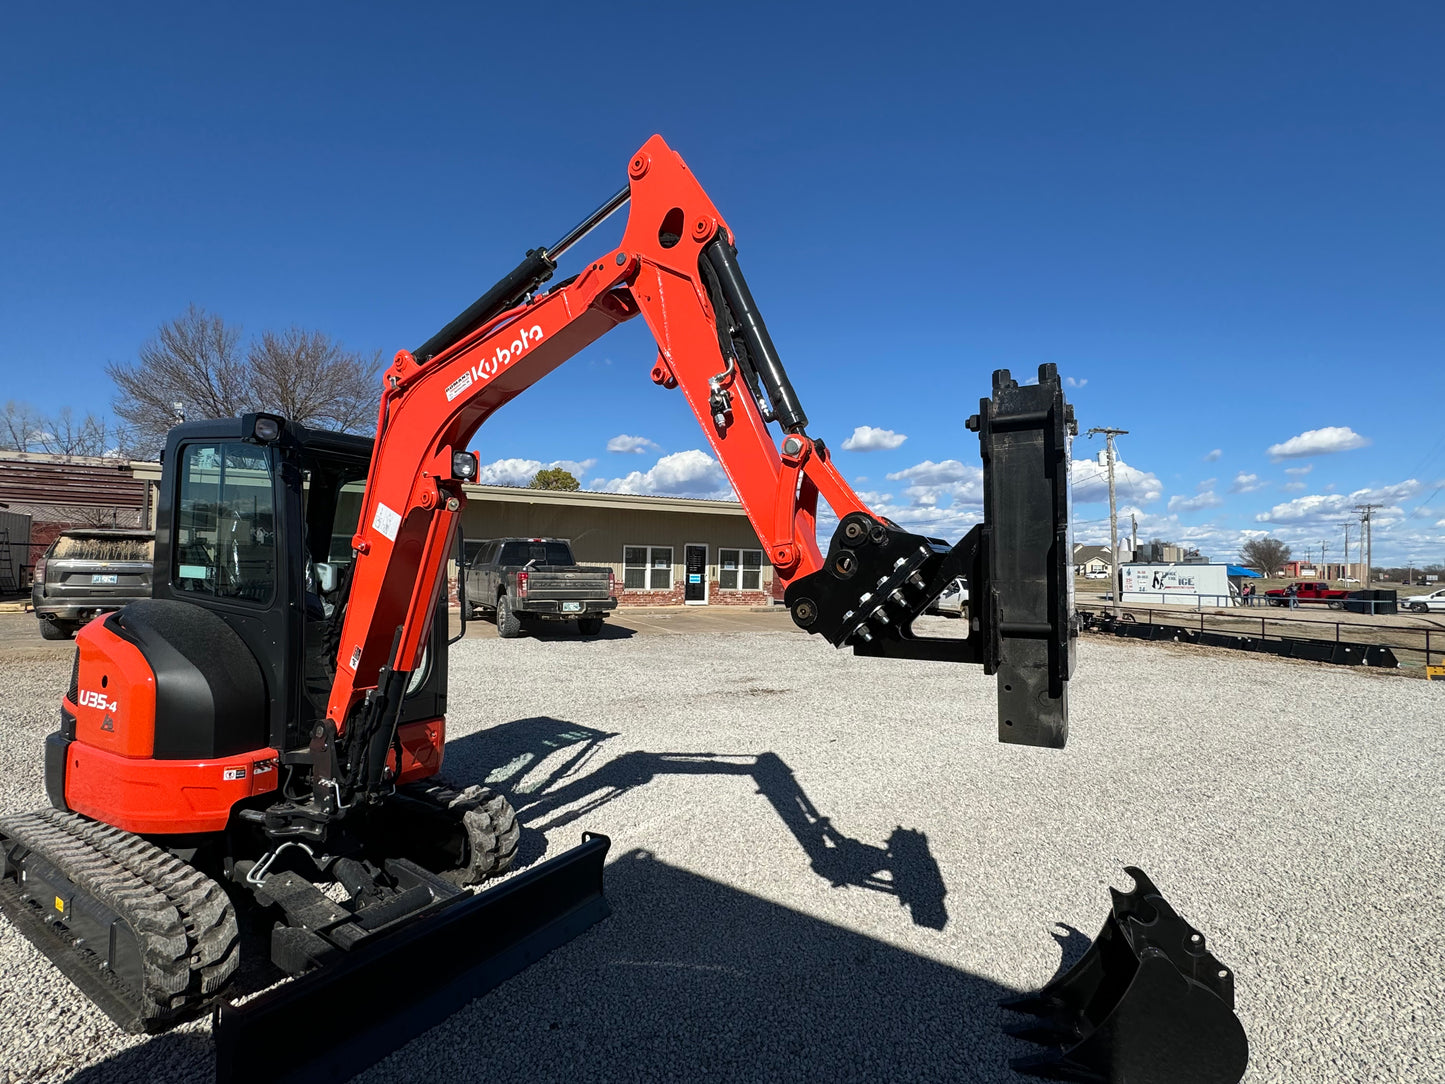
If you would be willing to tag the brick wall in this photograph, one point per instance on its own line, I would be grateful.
(716, 597)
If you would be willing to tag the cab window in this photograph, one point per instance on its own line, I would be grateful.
(225, 527)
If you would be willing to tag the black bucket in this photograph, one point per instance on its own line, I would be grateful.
(1147, 1004)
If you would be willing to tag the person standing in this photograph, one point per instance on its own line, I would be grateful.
(1293, 591)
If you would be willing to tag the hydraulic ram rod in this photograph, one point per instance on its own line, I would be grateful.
(535, 269)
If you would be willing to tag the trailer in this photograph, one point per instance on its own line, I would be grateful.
(1204, 586)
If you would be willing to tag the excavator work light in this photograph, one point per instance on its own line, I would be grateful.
(464, 466)
(267, 429)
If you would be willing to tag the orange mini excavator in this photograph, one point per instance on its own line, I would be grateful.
(260, 741)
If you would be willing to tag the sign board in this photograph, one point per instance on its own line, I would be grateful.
(1435, 673)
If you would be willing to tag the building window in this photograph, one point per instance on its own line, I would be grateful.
(740, 570)
(647, 568)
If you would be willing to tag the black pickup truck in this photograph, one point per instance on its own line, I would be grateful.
(537, 577)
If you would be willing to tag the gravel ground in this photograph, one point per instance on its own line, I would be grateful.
(840, 871)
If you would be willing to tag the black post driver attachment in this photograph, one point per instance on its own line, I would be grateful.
(1017, 566)
(1147, 1002)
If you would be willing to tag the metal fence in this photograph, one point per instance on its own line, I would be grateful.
(1416, 645)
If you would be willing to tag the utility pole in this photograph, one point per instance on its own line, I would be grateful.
(1367, 547)
(1324, 568)
(1346, 574)
(1134, 534)
(1109, 435)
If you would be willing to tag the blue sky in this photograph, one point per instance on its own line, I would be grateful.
(1223, 225)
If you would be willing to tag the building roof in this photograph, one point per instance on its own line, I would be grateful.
(1084, 554)
(39, 479)
(581, 498)
(628, 502)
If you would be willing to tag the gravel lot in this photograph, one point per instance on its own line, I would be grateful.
(1290, 811)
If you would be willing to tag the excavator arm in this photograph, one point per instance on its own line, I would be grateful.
(677, 268)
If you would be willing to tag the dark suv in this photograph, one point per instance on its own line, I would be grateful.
(88, 571)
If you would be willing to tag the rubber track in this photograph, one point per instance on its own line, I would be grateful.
(183, 920)
(490, 823)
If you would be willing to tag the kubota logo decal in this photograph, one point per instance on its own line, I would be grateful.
(490, 367)
(90, 699)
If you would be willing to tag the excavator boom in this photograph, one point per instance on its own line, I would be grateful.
(677, 268)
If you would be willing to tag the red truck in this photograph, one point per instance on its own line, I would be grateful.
(1308, 591)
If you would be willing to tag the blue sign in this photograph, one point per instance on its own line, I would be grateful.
(694, 577)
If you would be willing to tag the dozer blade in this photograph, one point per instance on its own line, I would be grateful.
(1147, 1003)
(330, 1024)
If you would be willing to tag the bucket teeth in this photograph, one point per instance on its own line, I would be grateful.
(1146, 1002)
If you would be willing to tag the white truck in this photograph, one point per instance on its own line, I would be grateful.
(1205, 586)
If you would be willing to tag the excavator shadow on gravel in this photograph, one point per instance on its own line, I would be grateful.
(262, 739)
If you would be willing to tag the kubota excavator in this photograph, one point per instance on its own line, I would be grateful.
(271, 724)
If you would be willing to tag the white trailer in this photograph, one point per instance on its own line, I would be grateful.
(1204, 586)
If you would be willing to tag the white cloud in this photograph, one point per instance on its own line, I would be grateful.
(1246, 483)
(866, 438)
(929, 473)
(1207, 499)
(1091, 482)
(1300, 472)
(1320, 506)
(636, 445)
(519, 472)
(692, 473)
(1334, 438)
(1213, 456)
(1292, 487)
(1070, 382)
(930, 482)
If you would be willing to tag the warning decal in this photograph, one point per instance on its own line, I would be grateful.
(386, 521)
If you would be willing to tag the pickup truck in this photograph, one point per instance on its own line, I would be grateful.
(516, 578)
(1308, 591)
(86, 572)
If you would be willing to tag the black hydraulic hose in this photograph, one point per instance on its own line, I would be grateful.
(754, 332)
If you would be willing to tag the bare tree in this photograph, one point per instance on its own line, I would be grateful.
(20, 427)
(195, 367)
(62, 434)
(311, 379)
(24, 429)
(1269, 555)
(195, 360)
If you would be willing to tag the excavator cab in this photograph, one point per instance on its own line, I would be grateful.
(255, 523)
